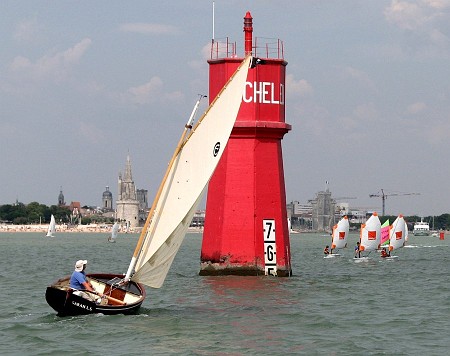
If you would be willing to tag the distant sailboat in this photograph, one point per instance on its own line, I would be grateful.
(339, 236)
(370, 236)
(114, 232)
(51, 228)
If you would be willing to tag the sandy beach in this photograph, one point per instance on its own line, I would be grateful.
(92, 228)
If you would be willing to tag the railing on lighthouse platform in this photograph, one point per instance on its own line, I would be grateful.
(263, 47)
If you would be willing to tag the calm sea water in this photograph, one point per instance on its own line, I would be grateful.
(329, 306)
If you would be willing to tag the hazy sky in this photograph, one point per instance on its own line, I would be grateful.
(84, 83)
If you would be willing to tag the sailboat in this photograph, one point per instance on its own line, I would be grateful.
(51, 227)
(189, 170)
(397, 235)
(370, 236)
(339, 236)
(114, 232)
(384, 241)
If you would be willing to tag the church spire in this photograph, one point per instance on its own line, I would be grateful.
(127, 205)
(128, 176)
(61, 201)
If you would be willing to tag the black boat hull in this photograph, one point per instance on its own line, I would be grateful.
(122, 300)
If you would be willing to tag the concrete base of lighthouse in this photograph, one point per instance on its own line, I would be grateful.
(222, 269)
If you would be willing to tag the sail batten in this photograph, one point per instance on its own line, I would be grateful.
(180, 194)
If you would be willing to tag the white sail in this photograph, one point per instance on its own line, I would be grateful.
(340, 234)
(397, 233)
(186, 180)
(371, 234)
(51, 227)
(114, 232)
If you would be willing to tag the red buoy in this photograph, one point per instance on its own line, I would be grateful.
(246, 229)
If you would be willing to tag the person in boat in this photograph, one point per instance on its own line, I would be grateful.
(357, 250)
(331, 249)
(79, 283)
(326, 251)
(384, 253)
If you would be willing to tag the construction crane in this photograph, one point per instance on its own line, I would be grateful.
(384, 196)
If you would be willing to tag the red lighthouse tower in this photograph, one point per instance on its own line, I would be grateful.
(246, 230)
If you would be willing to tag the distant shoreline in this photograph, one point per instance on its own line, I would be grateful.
(99, 229)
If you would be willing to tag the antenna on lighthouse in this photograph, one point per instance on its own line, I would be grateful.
(213, 22)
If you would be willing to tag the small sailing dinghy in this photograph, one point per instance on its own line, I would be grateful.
(370, 236)
(114, 232)
(189, 170)
(339, 236)
(397, 236)
(51, 227)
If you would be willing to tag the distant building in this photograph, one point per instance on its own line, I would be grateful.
(127, 205)
(142, 197)
(300, 215)
(343, 209)
(76, 213)
(323, 211)
(296, 209)
(198, 219)
(107, 200)
(61, 201)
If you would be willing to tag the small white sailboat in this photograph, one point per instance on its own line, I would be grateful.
(397, 235)
(114, 232)
(370, 237)
(339, 236)
(51, 227)
(193, 162)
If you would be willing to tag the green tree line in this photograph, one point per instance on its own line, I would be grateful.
(33, 213)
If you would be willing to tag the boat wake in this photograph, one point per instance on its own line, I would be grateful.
(425, 246)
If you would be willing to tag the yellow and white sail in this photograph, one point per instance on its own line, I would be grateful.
(182, 188)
